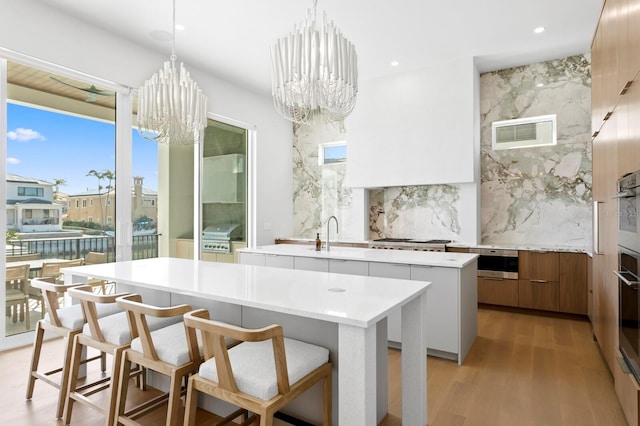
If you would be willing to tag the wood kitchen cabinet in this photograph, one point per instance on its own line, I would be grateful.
(573, 287)
(616, 151)
(539, 294)
(553, 281)
(538, 265)
(498, 291)
(538, 275)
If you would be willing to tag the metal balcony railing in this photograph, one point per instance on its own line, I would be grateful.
(144, 246)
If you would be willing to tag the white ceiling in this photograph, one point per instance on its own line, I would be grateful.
(231, 38)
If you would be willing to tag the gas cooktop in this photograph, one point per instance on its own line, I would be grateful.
(409, 244)
(410, 240)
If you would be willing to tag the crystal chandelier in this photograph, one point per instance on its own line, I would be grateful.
(314, 72)
(171, 106)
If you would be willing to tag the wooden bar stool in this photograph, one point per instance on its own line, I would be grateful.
(65, 322)
(164, 350)
(17, 293)
(109, 334)
(262, 374)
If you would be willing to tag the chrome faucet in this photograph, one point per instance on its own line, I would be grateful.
(329, 221)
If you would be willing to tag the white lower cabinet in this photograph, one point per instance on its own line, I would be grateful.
(392, 270)
(452, 300)
(351, 267)
(278, 261)
(442, 306)
(257, 259)
(311, 264)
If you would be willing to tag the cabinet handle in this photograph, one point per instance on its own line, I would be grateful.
(338, 260)
(608, 115)
(596, 228)
(626, 87)
(493, 279)
(539, 251)
(539, 281)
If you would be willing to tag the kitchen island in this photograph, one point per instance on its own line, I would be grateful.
(346, 314)
(452, 308)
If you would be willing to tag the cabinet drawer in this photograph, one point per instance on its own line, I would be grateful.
(543, 295)
(351, 267)
(538, 265)
(498, 291)
(279, 261)
(252, 259)
(311, 264)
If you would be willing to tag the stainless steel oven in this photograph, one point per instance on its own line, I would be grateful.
(628, 206)
(628, 274)
(497, 263)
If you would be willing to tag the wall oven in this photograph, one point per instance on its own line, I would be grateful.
(628, 206)
(629, 316)
(497, 263)
(628, 272)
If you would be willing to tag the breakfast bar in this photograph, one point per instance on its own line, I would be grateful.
(353, 308)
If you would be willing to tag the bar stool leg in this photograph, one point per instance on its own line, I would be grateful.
(35, 359)
(64, 381)
(73, 378)
(174, 400)
(123, 384)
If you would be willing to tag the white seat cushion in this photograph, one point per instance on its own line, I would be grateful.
(254, 367)
(115, 328)
(170, 343)
(71, 316)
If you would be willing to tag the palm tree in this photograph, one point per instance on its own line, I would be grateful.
(58, 182)
(99, 176)
(110, 176)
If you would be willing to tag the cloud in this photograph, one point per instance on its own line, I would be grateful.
(24, 135)
(12, 160)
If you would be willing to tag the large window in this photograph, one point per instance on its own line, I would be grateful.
(60, 135)
(30, 191)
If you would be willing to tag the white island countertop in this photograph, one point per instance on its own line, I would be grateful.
(426, 258)
(359, 301)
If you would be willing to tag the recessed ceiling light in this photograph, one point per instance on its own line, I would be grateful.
(540, 85)
(395, 63)
(179, 27)
(538, 30)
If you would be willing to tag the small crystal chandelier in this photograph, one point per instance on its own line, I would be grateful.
(171, 106)
(314, 72)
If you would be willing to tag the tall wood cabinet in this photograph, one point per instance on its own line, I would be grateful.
(615, 101)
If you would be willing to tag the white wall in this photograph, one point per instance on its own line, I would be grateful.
(34, 29)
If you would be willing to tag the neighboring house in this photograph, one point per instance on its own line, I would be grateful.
(94, 207)
(30, 205)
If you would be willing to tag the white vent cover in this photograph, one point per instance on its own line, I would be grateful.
(524, 132)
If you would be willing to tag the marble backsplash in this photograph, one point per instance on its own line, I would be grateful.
(540, 195)
(420, 212)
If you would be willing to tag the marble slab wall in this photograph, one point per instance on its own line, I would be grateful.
(529, 196)
(318, 191)
(538, 196)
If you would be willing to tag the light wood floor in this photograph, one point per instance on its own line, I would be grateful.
(523, 369)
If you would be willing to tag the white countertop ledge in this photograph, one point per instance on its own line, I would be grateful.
(424, 258)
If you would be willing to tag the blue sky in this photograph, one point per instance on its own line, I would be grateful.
(48, 145)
